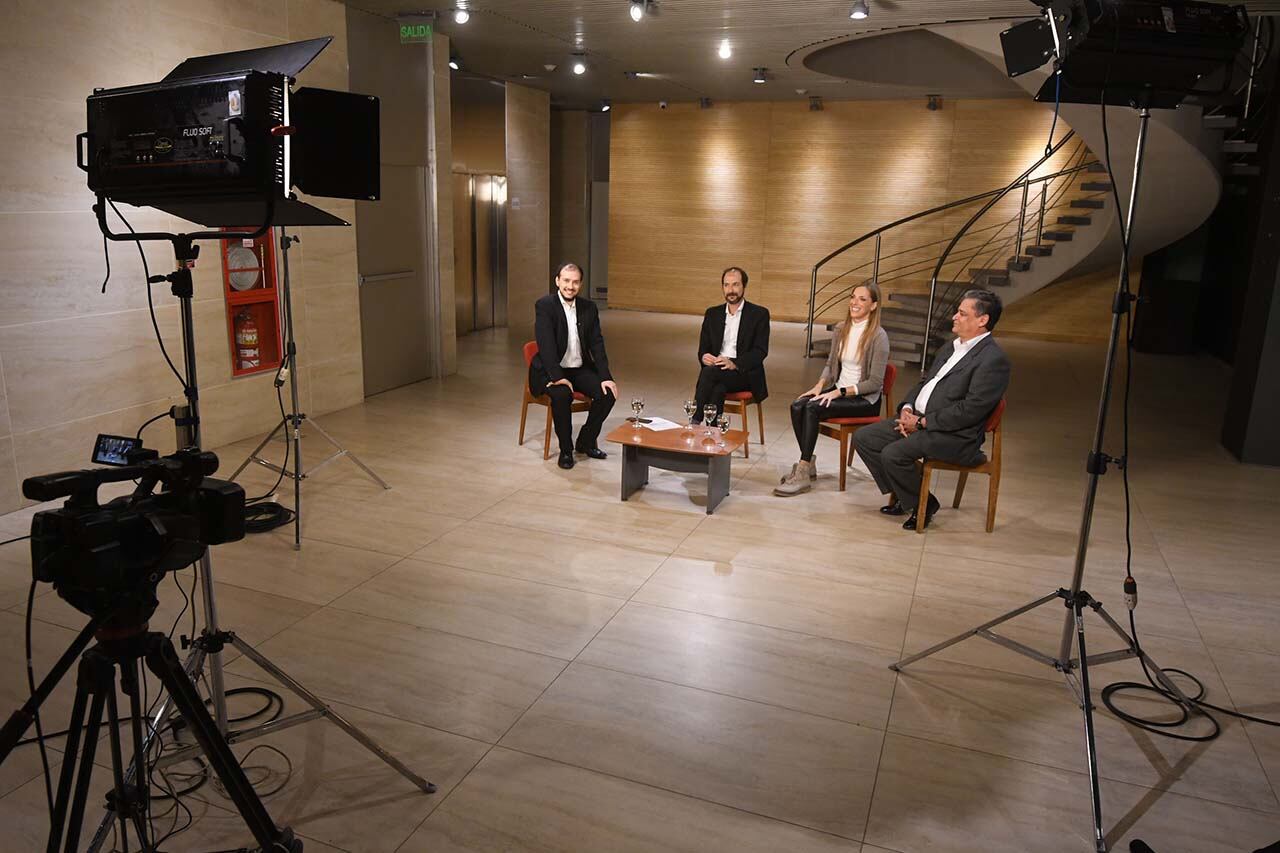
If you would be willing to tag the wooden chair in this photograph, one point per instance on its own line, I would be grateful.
(581, 403)
(842, 429)
(736, 403)
(990, 467)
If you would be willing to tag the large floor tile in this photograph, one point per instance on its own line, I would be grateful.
(944, 799)
(535, 617)
(615, 523)
(389, 522)
(464, 686)
(792, 602)
(1253, 685)
(546, 557)
(829, 678)
(517, 802)
(1234, 621)
(802, 769)
(317, 574)
(1035, 720)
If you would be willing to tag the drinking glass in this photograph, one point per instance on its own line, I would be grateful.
(708, 418)
(637, 406)
(690, 409)
(723, 423)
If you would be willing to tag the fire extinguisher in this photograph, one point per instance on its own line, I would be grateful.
(247, 351)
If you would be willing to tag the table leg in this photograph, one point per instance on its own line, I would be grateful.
(717, 481)
(634, 472)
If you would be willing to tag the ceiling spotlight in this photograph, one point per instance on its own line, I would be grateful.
(759, 78)
(704, 103)
(859, 10)
(637, 10)
(934, 103)
(461, 16)
(579, 64)
(725, 50)
(455, 63)
(605, 106)
(815, 103)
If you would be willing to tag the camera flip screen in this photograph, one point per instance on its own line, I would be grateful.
(114, 449)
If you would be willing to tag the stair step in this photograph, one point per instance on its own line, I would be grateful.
(1096, 186)
(1096, 168)
(1220, 122)
(1042, 250)
(1021, 263)
(1074, 219)
(990, 277)
(1058, 236)
(1235, 146)
(1244, 170)
(911, 324)
(1090, 203)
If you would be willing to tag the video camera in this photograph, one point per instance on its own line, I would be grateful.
(106, 560)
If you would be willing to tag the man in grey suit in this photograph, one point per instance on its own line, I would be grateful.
(944, 415)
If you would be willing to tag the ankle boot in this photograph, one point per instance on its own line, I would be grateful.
(797, 483)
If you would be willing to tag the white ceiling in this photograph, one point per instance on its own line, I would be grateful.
(515, 39)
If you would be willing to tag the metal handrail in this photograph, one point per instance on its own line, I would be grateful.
(942, 259)
(878, 232)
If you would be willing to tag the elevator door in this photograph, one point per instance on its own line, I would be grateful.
(481, 245)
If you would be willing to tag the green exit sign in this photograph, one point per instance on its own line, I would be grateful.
(415, 33)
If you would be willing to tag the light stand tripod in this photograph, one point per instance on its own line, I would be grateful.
(209, 645)
(292, 421)
(1076, 670)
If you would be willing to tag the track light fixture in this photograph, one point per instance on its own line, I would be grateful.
(704, 103)
(579, 64)
(859, 10)
(637, 10)
(455, 63)
(759, 75)
(815, 103)
(461, 15)
(605, 106)
(726, 50)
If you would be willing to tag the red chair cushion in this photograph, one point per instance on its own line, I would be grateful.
(740, 397)
(853, 421)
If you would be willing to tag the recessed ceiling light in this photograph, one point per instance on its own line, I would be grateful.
(461, 16)
(859, 10)
(637, 10)
(759, 76)
(726, 50)
(579, 64)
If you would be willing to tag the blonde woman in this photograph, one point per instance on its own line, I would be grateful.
(849, 386)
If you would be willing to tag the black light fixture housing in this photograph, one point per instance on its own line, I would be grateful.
(815, 103)
(760, 75)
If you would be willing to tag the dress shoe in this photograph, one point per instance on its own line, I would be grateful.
(894, 508)
(565, 461)
(593, 452)
(930, 508)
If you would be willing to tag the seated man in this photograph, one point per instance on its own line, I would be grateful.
(570, 358)
(944, 415)
(732, 347)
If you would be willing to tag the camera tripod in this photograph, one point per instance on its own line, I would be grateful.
(124, 649)
(292, 422)
(1076, 669)
(207, 648)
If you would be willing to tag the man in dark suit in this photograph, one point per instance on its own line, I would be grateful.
(944, 416)
(733, 361)
(570, 358)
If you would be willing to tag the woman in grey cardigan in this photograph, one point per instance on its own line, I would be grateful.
(849, 386)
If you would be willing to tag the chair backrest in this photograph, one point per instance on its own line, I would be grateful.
(530, 350)
(993, 420)
(890, 376)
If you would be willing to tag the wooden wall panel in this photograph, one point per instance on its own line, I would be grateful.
(686, 199)
(528, 155)
(775, 187)
(479, 138)
(570, 229)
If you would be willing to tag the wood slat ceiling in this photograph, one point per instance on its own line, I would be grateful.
(516, 39)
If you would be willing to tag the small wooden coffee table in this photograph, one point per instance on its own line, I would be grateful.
(676, 450)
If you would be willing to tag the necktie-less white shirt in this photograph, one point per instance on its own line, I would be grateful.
(573, 354)
(732, 320)
(960, 351)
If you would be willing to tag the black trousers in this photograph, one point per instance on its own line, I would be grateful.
(713, 384)
(586, 381)
(891, 458)
(806, 414)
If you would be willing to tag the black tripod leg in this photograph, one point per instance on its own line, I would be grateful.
(97, 676)
(138, 803)
(16, 726)
(1100, 842)
(75, 731)
(117, 772)
(163, 661)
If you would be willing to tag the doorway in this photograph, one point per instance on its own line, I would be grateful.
(480, 251)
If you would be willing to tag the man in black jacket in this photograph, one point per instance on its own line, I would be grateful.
(570, 358)
(733, 346)
(945, 415)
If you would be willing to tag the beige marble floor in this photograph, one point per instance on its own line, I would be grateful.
(581, 674)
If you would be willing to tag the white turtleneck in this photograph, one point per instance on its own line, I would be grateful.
(850, 366)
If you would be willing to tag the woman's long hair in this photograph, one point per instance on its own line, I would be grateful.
(873, 323)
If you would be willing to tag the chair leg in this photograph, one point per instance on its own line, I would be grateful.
(923, 508)
(746, 428)
(760, 417)
(993, 491)
(844, 451)
(546, 437)
(964, 478)
(524, 412)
